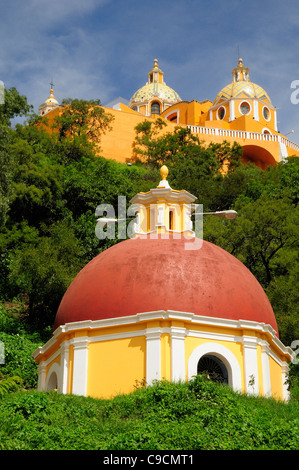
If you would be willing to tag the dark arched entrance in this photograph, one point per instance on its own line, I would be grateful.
(53, 382)
(258, 155)
(213, 367)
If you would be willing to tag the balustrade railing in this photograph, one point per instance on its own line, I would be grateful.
(243, 135)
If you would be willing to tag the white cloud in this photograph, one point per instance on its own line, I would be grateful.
(105, 48)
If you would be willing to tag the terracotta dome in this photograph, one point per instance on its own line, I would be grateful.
(144, 275)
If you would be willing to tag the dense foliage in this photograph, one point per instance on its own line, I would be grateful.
(198, 415)
(52, 182)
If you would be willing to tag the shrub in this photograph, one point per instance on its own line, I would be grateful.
(18, 360)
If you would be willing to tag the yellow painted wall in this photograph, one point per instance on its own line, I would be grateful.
(165, 357)
(276, 379)
(70, 370)
(114, 366)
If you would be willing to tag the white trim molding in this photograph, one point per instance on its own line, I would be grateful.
(177, 111)
(163, 315)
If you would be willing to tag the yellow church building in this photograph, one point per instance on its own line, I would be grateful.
(163, 304)
(241, 112)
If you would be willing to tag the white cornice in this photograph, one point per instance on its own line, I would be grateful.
(166, 315)
(167, 194)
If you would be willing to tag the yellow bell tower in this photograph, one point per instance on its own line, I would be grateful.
(163, 210)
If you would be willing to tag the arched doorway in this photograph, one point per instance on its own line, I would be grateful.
(224, 355)
(213, 367)
(52, 382)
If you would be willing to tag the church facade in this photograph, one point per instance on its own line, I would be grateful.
(241, 112)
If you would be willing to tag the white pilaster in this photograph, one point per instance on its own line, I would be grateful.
(177, 341)
(275, 119)
(256, 110)
(41, 376)
(285, 370)
(80, 366)
(153, 355)
(160, 216)
(64, 366)
(250, 365)
(231, 110)
(266, 369)
(283, 153)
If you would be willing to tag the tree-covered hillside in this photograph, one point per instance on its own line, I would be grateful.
(52, 182)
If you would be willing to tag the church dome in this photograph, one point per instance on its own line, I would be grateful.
(158, 90)
(144, 275)
(51, 99)
(242, 87)
(49, 104)
(155, 88)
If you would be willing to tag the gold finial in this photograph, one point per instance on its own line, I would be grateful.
(164, 172)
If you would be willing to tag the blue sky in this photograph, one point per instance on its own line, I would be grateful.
(102, 49)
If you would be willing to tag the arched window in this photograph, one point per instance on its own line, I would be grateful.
(155, 108)
(266, 113)
(221, 112)
(224, 355)
(171, 212)
(213, 367)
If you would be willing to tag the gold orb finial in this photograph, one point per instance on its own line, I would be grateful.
(164, 172)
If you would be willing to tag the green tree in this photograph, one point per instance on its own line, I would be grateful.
(173, 148)
(14, 105)
(43, 271)
(82, 123)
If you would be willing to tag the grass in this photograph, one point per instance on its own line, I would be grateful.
(197, 415)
